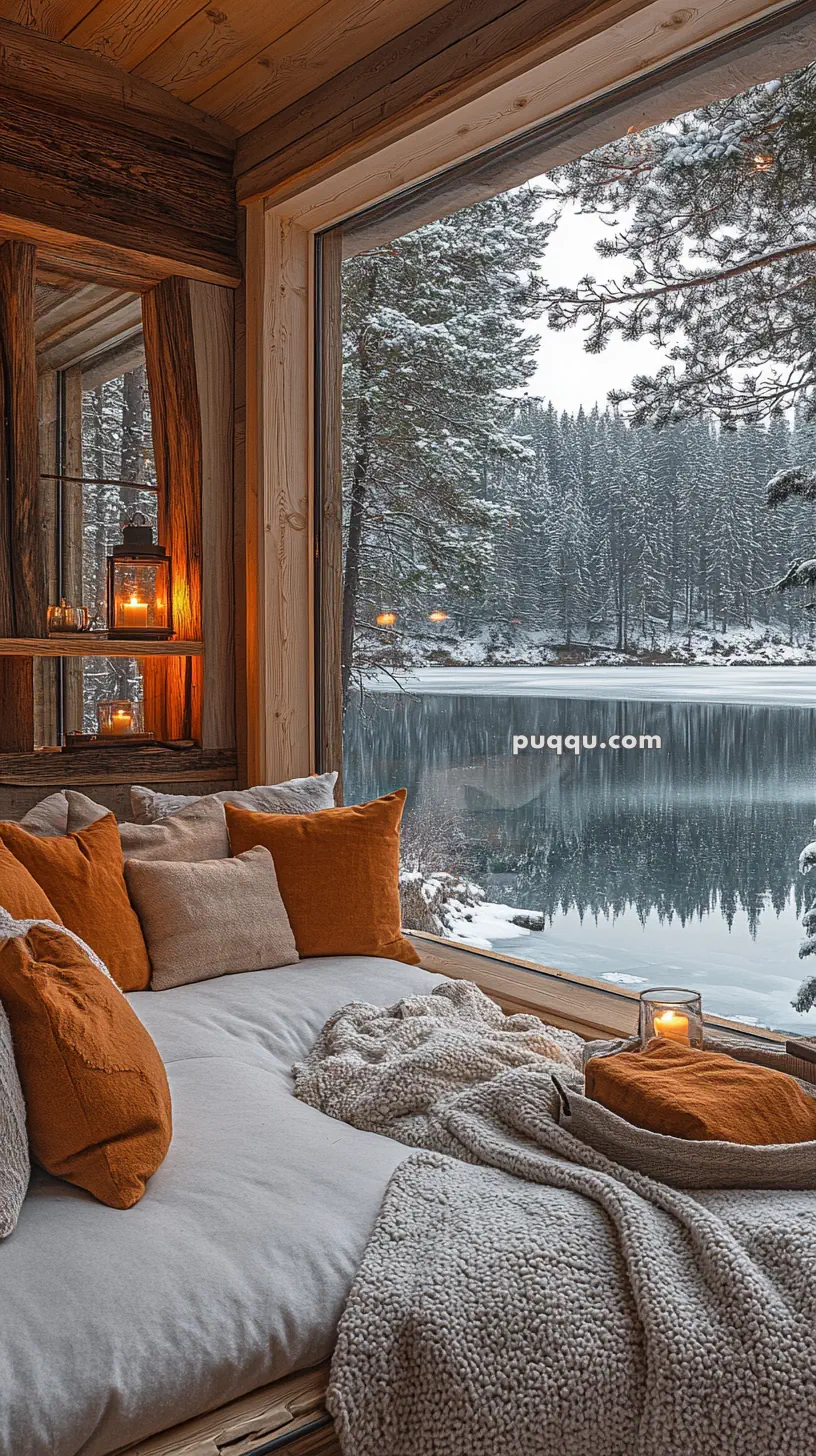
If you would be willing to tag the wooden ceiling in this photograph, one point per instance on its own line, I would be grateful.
(240, 60)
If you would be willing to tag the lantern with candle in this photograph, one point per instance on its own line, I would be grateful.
(670, 1013)
(119, 717)
(139, 585)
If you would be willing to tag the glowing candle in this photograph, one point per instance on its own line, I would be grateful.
(672, 1025)
(134, 613)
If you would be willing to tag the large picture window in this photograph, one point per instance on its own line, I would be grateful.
(579, 466)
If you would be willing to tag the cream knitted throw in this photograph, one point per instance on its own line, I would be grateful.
(573, 1309)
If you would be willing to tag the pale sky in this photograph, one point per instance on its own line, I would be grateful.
(565, 374)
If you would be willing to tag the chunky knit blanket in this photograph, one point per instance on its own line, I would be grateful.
(523, 1296)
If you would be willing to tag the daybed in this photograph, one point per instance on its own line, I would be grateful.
(233, 1269)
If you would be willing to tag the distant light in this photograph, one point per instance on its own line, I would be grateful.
(763, 162)
(437, 616)
(386, 619)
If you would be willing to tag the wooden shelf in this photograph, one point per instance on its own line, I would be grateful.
(49, 767)
(84, 645)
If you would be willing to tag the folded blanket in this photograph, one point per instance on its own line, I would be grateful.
(572, 1309)
(685, 1093)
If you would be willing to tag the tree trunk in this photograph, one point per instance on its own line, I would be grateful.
(359, 495)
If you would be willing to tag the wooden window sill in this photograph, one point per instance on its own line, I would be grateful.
(82, 644)
(50, 768)
(575, 1002)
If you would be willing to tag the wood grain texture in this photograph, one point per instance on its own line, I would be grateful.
(116, 766)
(213, 337)
(128, 31)
(83, 645)
(281, 1409)
(239, 519)
(423, 68)
(16, 705)
(17, 270)
(217, 39)
(87, 86)
(280, 576)
(116, 320)
(118, 359)
(7, 623)
(73, 670)
(330, 37)
(329, 513)
(173, 687)
(46, 670)
(49, 17)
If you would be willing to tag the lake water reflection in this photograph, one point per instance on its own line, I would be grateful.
(675, 865)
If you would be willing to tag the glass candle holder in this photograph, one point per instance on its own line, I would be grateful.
(670, 1013)
(118, 717)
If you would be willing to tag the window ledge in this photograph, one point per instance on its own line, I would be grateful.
(574, 1002)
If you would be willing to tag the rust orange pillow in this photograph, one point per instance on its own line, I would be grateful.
(338, 874)
(19, 892)
(97, 1101)
(686, 1093)
(83, 876)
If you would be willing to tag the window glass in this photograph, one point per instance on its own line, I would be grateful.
(579, 468)
(116, 447)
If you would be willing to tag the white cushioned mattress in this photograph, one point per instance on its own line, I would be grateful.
(233, 1269)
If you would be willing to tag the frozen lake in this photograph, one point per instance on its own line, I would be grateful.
(677, 864)
(791, 686)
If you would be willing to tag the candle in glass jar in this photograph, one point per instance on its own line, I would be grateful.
(121, 722)
(134, 613)
(672, 1025)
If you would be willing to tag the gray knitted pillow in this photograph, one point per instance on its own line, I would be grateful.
(15, 1166)
(296, 796)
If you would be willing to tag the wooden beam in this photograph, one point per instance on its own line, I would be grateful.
(213, 337)
(173, 688)
(45, 671)
(86, 85)
(329, 510)
(73, 672)
(279, 469)
(80, 644)
(17, 267)
(422, 71)
(16, 705)
(116, 766)
(91, 156)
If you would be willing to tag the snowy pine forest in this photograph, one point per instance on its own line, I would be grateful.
(643, 526)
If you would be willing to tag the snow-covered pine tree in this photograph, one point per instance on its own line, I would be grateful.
(434, 347)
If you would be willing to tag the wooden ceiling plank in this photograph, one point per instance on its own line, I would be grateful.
(83, 308)
(323, 44)
(457, 51)
(216, 41)
(86, 85)
(118, 324)
(127, 31)
(50, 17)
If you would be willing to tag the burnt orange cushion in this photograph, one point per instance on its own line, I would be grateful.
(83, 876)
(338, 874)
(95, 1088)
(686, 1093)
(19, 892)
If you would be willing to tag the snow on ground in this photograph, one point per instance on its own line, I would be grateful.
(756, 686)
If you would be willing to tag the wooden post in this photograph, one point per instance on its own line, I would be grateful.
(329, 513)
(17, 262)
(22, 571)
(173, 685)
(213, 334)
(73, 668)
(46, 670)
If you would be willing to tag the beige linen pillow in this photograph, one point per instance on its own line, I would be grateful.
(211, 919)
(196, 833)
(49, 817)
(296, 796)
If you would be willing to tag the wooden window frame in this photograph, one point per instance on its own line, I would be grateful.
(649, 65)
